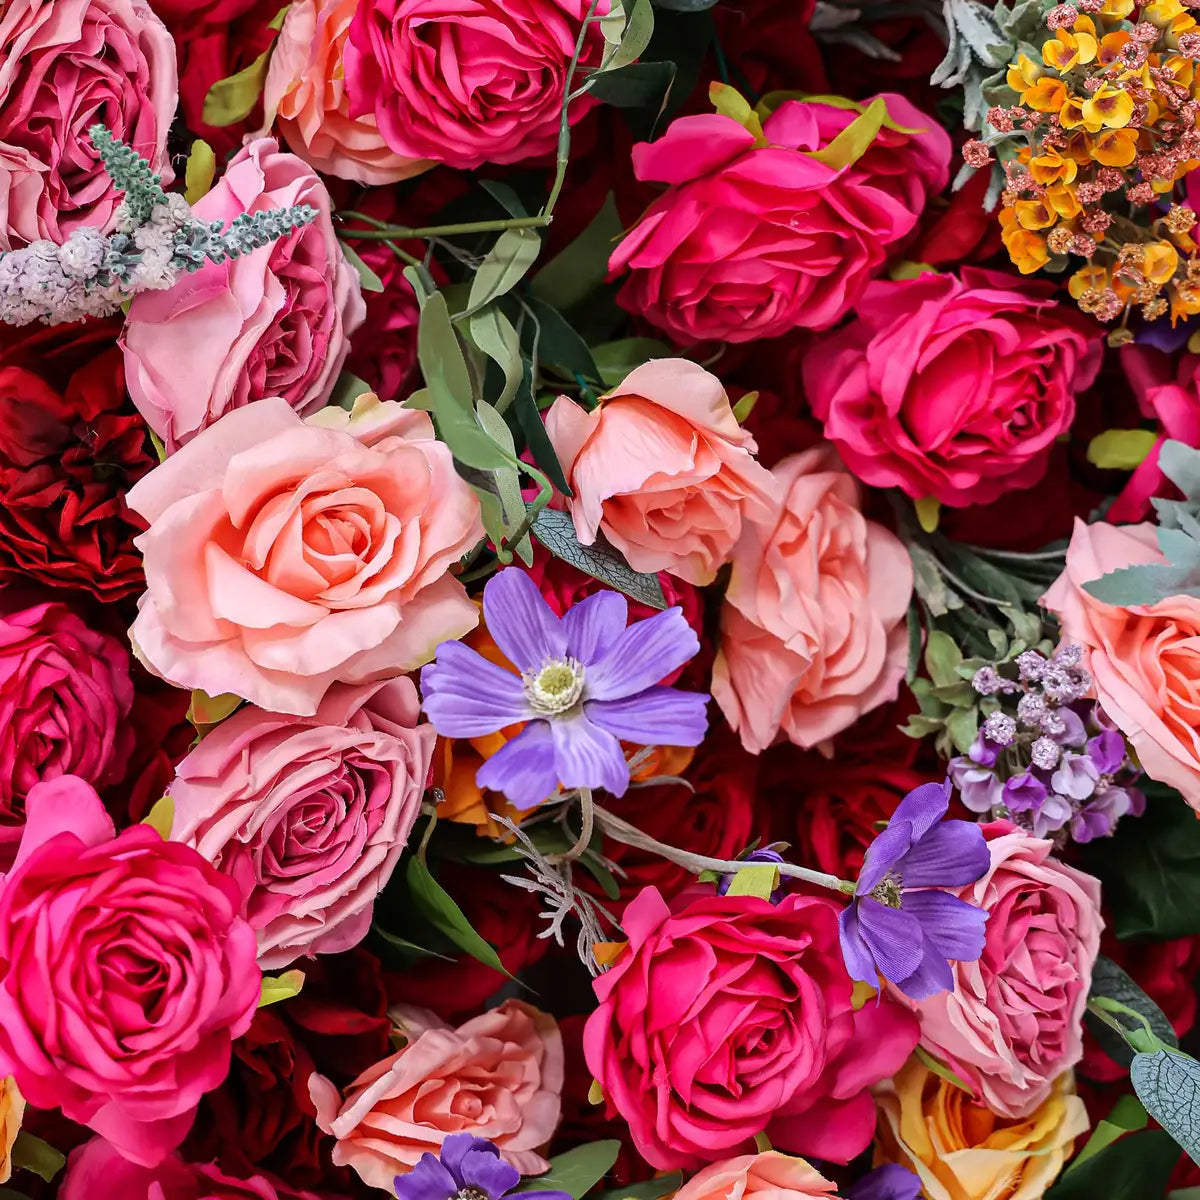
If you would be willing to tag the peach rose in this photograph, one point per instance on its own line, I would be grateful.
(305, 97)
(770, 1175)
(962, 1151)
(661, 468)
(284, 557)
(499, 1076)
(12, 1113)
(812, 632)
(1142, 658)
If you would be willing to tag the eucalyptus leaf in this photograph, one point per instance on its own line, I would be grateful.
(537, 440)
(504, 267)
(437, 906)
(638, 31)
(494, 334)
(508, 482)
(369, 281)
(1110, 982)
(1167, 1082)
(576, 1171)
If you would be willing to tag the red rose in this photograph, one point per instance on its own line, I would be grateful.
(770, 42)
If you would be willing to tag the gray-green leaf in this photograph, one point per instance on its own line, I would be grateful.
(1110, 982)
(505, 267)
(1167, 1082)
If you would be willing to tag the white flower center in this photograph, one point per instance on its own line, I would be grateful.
(556, 687)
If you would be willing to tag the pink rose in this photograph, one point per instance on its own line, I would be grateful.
(750, 241)
(65, 64)
(954, 388)
(468, 83)
(125, 973)
(65, 695)
(661, 468)
(275, 322)
(731, 1016)
(813, 630)
(769, 1176)
(1014, 1022)
(499, 1076)
(284, 557)
(1142, 659)
(308, 817)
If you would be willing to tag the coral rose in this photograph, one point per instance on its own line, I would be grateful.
(730, 1016)
(128, 1020)
(284, 557)
(812, 631)
(65, 64)
(753, 240)
(308, 817)
(1014, 1021)
(661, 468)
(954, 388)
(275, 322)
(963, 1151)
(770, 1175)
(499, 1076)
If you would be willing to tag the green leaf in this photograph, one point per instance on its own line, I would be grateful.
(729, 102)
(232, 99)
(505, 266)
(744, 407)
(942, 658)
(508, 482)
(638, 32)
(639, 85)
(347, 390)
(280, 987)
(1167, 1082)
(1135, 1168)
(1128, 1116)
(1120, 449)
(1109, 982)
(505, 196)
(210, 710)
(651, 1189)
(369, 281)
(406, 947)
(962, 726)
(494, 334)
(199, 172)
(940, 1069)
(686, 6)
(437, 906)
(856, 139)
(577, 1171)
(755, 879)
(575, 272)
(536, 438)
(928, 513)
(161, 817)
(616, 359)
(30, 1153)
(558, 343)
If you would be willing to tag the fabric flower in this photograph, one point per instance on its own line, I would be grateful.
(587, 681)
(889, 1182)
(12, 1113)
(901, 924)
(466, 1166)
(768, 1175)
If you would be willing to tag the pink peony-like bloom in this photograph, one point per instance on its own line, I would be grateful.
(65, 695)
(661, 468)
(954, 388)
(275, 322)
(1142, 659)
(126, 972)
(812, 631)
(769, 1176)
(499, 1076)
(283, 557)
(730, 1016)
(468, 83)
(750, 241)
(308, 817)
(1014, 1022)
(65, 64)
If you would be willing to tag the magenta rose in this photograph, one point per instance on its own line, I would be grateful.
(275, 322)
(308, 816)
(468, 83)
(126, 972)
(750, 241)
(730, 1016)
(64, 65)
(65, 695)
(953, 387)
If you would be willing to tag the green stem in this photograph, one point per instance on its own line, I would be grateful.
(384, 233)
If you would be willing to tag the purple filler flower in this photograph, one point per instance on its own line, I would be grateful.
(469, 1168)
(899, 924)
(587, 681)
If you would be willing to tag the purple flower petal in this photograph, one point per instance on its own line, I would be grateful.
(1107, 751)
(594, 624)
(1024, 792)
(588, 756)
(464, 695)
(520, 621)
(932, 977)
(642, 655)
(484, 1169)
(951, 854)
(955, 928)
(857, 954)
(525, 769)
(924, 806)
(893, 936)
(457, 1146)
(883, 854)
(428, 1180)
(889, 1182)
(659, 716)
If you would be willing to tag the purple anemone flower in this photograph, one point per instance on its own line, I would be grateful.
(899, 925)
(469, 1168)
(587, 682)
(889, 1182)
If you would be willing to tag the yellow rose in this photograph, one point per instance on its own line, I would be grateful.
(12, 1110)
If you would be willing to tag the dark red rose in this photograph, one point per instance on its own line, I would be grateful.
(70, 447)
(918, 51)
(780, 427)
(769, 44)
(958, 229)
(162, 736)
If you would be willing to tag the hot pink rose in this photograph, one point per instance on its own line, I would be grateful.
(64, 65)
(499, 1076)
(661, 468)
(812, 632)
(308, 817)
(65, 695)
(954, 388)
(770, 1175)
(275, 322)
(732, 1015)
(753, 240)
(125, 973)
(284, 557)
(468, 83)
(1014, 1022)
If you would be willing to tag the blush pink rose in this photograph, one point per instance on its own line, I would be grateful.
(1014, 1022)
(813, 631)
(730, 1016)
(750, 241)
(953, 387)
(284, 557)
(766, 1176)
(499, 1077)
(468, 83)
(661, 468)
(275, 322)
(1142, 659)
(64, 65)
(308, 817)
(126, 972)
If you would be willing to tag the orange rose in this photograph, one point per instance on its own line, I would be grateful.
(12, 1111)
